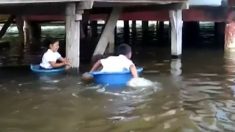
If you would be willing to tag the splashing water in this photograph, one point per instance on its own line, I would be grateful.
(140, 82)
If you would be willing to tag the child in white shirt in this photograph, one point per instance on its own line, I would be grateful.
(52, 56)
(117, 63)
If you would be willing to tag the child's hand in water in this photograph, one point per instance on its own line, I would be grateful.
(87, 76)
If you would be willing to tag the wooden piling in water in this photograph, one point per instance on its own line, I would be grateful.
(219, 29)
(191, 32)
(94, 29)
(133, 30)
(20, 27)
(126, 31)
(73, 18)
(176, 32)
(109, 28)
(145, 29)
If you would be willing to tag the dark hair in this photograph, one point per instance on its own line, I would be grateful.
(49, 40)
(123, 49)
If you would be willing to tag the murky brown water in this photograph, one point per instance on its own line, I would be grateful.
(192, 94)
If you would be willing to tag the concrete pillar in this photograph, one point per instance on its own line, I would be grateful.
(73, 18)
(230, 36)
(126, 31)
(176, 32)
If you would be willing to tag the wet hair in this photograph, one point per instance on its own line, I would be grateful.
(49, 41)
(123, 49)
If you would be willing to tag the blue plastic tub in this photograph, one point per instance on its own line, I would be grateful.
(37, 69)
(113, 78)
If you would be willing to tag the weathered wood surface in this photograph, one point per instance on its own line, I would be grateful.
(122, 1)
(109, 28)
(143, 1)
(176, 32)
(73, 18)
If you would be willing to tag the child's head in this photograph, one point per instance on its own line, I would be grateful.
(53, 44)
(124, 49)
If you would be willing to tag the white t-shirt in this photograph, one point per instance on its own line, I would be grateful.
(49, 56)
(116, 63)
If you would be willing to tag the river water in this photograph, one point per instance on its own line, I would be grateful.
(191, 94)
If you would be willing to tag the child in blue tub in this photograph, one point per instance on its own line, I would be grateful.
(52, 58)
(116, 63)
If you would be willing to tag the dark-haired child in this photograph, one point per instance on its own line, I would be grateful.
(52, 58)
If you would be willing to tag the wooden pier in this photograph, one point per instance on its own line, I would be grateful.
(72, 13)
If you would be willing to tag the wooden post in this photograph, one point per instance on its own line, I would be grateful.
(160, 32)
(111, 42)
(133, 29)
(20, 27)
(108, 29)
(26, 29)
(73, 18)
(190, 33)
(35, 33)
(126, 31)
(219, 33)
(84, 25)
(94, 29)
(145, 29)
(176, 32)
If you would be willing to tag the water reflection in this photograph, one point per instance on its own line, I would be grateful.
(176, 65)
(197, 94)
(176, 72)
(207, 96)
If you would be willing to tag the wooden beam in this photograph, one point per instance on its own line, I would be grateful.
(109, 29)
(111, 42)
(143, 1)
(85, 5)
(33, 9)
(68, 1)
(36, 1)
(6, 25)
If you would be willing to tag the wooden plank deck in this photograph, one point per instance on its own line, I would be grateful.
(108, 1)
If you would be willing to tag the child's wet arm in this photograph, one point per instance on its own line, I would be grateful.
(133, 71)
(96, 66)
